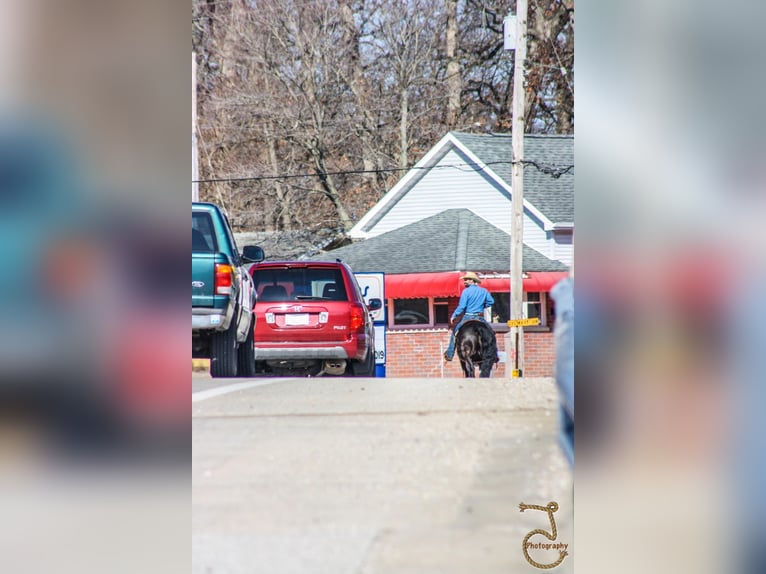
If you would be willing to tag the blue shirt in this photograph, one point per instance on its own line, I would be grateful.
(473, 300)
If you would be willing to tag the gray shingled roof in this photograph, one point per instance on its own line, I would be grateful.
(553, 196)
(453, 240)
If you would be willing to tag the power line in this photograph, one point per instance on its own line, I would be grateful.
(549, 169)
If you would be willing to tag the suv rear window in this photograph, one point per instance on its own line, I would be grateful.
(203, 235)
(299, 284)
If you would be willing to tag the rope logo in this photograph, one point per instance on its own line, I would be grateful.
(526, 545)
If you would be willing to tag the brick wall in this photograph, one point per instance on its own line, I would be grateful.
(418, 353)
(539, 354)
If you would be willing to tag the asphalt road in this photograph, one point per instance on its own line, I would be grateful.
(371, 476)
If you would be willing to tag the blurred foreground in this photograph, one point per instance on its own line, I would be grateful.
(91, 242)
(94, 407)
(670, 266)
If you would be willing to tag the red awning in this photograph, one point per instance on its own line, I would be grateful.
(532, 281)
(413, 285)
(448, 284)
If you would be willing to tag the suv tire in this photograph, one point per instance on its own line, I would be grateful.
(246, 353)
(223, 352)
(364, 368)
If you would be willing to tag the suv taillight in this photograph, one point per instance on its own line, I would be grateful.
(357, 318)
(223, 278)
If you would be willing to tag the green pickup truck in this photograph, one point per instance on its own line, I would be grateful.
(223, 297)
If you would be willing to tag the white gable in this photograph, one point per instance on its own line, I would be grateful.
(456, 180)
(446, 188)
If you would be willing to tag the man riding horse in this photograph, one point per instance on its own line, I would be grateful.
(473, 300)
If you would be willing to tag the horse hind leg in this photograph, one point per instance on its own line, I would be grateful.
(466, 362)
(488, 356)
(487, 362)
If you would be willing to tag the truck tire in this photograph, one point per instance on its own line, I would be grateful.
(246, 354)
(223, 352)
(364, 368)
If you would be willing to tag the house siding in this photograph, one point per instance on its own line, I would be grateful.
(445, 188)
(442, 189)
(535, 236)
(563, 248)
(418, 353)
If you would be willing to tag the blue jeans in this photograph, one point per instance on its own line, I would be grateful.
(450, 352)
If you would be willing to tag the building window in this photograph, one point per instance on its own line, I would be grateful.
(435, 312)
(441, 311)
(533, 306)
(411, 312)
(501, 310)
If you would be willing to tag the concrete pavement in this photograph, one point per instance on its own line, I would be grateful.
(372, 476)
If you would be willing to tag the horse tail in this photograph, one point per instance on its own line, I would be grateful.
(467, 351)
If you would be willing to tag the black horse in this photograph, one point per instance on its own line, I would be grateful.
(476, 345)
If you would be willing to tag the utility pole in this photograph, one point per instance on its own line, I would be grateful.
(195, 169)
(516, 39)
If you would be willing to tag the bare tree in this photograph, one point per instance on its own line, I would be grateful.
(551, 70)
(286, 91)
(407, 41)
(366, 123)
(309, 111)
(303, 50)
(488, 70)
(454, 81)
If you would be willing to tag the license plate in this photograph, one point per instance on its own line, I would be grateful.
(297, 319)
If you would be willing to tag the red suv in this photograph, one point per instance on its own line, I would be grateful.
(312, 320)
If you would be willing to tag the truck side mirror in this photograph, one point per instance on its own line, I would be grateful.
(253, 253)
(374, 304)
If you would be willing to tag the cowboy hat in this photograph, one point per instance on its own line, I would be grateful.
(471, 275)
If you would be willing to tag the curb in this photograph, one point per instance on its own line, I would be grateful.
(200, 364)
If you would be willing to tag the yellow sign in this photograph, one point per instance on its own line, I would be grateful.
(524, 322)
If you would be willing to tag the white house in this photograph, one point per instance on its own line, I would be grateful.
(474, 171)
